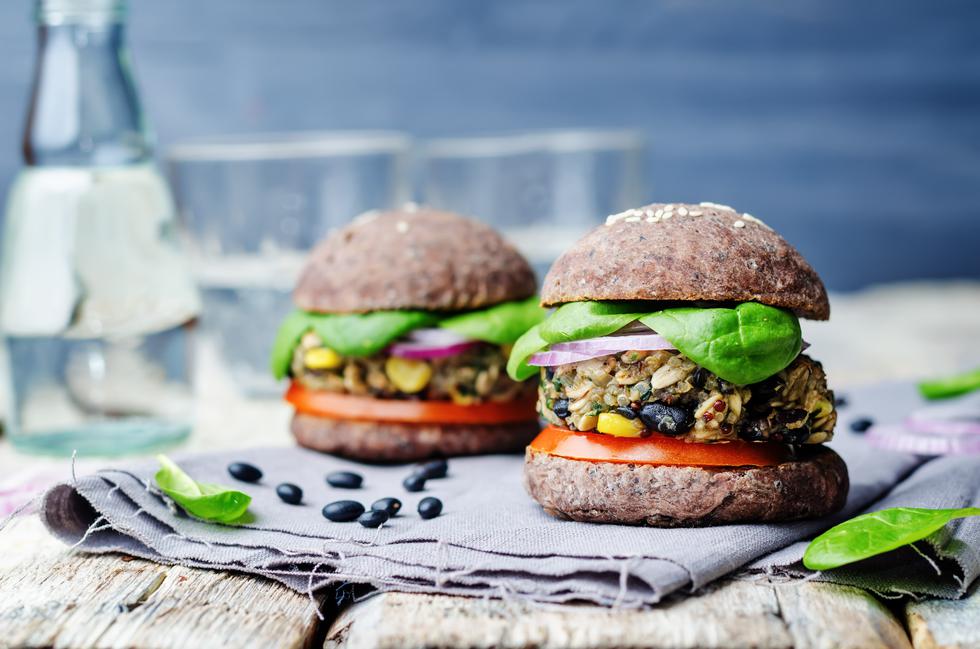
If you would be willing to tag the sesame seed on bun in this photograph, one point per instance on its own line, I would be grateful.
(685, 252)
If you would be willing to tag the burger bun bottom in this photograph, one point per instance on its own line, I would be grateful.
(402, 442)
(812, 485)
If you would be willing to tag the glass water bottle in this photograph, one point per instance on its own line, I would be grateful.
(96, 300)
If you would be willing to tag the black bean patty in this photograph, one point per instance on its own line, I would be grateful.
(666, 392)
(475, 376)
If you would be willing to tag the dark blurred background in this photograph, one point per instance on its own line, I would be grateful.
(852, 127)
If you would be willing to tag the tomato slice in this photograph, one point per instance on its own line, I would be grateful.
(657, 449)
(346, 406)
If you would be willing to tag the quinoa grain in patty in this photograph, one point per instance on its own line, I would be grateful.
(474, 376)
(664, 391)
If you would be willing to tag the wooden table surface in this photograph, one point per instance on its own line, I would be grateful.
(53, 597)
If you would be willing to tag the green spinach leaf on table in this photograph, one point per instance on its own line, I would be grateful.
(951, 386)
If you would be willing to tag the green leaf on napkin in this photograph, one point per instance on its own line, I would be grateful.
(875, 533)
(211, 502)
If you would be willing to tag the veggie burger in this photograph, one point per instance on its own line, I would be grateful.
(398, 347)
(671, 375)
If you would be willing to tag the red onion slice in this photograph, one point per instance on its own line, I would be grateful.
(436, 337)
(900, 438)
(942, 428)
(551, 359)
(431, 342)
(611, 344)
(577, 351)
(423, 351)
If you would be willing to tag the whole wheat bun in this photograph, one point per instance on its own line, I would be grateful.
(413, 258)
(397, 442)
(691, 253)
(813, 485)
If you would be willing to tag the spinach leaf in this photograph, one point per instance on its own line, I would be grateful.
(501, 324)
(743, 345)
(290, 331)
(365, 334)
(348, 334)
(208, 501)
(951, 386)
(580, 320)
(572, 321)
(876, 533)
(526, 346)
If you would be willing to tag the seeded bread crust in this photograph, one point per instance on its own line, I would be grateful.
(701, 252)
(412, 259)
(395, 442)
(673, 496)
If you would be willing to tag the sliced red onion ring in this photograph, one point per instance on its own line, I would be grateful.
(611, 344)
(942, 428)
(436, 336)
(551, 359)
(577, 351)
(431, 343)
(422, 351)
(901, 438)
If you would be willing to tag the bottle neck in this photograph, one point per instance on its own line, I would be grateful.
(84, 109)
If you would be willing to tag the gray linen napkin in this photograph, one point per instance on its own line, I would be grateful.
(491, 539)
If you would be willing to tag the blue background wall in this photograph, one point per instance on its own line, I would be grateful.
(853, 127)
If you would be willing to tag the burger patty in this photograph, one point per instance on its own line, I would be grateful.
(665, 391)
(476, 375)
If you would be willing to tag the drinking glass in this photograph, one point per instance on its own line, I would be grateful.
(252, 207)
(542, 189)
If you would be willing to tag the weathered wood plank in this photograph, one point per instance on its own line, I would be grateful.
(945, 624)
(735, 614)
(73, 600)
(828, 615)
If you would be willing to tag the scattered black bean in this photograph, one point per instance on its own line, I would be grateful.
(289, 493)
(345, 480)
(626, 411)
(244, 471)
(861, 424)
(669, 420)
(433, 469)
(561, 408)
(414, 482)
(840, 401)
(391, 506)
(343, 511)
(373, 518)
(430, 507)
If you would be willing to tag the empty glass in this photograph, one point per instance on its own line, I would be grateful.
(252, 207)
(543, 189)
